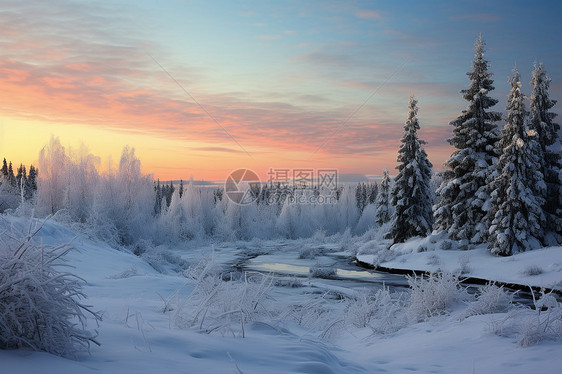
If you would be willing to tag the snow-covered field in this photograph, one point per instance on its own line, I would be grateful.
(304, 326)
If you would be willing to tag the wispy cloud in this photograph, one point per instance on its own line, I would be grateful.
(217, 149)
(479, 17)
(269, 37)
(369, 14)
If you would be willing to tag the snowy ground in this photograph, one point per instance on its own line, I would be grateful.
(541, 267)
(138, 337)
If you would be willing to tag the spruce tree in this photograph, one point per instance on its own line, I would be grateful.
(373, 190)
(464, 194)
(383, 213)
(516, 214)
(32, 178)
(542, 122)
(181, 188)
(11, 176)
(411, 193)
(158, 197)
(5, 168)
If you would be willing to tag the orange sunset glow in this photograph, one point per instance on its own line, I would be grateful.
(257, 89)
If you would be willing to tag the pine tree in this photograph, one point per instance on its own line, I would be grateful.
(32, 178)
(158, 202)
(411, 193)
(11, 176)
(383, 213)
(21, 176)
(359, 197)
(541, 122)
(5, 168)
(516, 214)
(464, 192)
(373, 193)
(181, 188)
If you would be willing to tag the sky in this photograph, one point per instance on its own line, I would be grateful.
(201, 88)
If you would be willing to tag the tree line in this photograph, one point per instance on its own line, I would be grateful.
(501, 186)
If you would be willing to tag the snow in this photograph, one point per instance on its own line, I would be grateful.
(480, 262)
(137, 337)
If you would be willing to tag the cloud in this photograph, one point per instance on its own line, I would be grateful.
(369, 14)
(217, 149)
(101, 75)
(479, 17)
(290, 32)
(269, 37)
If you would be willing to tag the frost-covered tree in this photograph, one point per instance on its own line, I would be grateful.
(53, 162)
(542, 122)
(464, 194)
(411, 193)
(516, 214)
(382, 203)
(181, 188)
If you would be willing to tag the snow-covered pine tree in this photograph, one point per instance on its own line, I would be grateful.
(541, 122)
(32, 178)
(464, 194)
(4, 168)
(11, 176)
(383, 213)
(373, 190)
(181, 188)
(158, 198)
(518, 191)
(411, 193)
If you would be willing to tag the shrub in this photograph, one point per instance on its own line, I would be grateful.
(39, 305)
(432, 295)
(490, 299)
(219, 305)
(319, 271)
(531, 326)
(532, 270)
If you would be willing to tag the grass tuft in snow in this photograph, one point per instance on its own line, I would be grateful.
(532, 326)
(219, 305)
(532, 270)
(319, 271)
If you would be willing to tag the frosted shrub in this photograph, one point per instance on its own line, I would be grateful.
(162, 260)
(532, 270)
(319, 271)
(39, 305)
(529, 326)
(381, 312)
(432, 295)
(491, 299)
(223, 306)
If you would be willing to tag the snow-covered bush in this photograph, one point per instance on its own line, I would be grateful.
(531, 326)
(432, 295)
(319, 271)
(40, 305)
(224, 306)
(382, 312)
(532, 270)
(490, 299)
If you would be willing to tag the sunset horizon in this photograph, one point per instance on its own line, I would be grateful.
(200, 90)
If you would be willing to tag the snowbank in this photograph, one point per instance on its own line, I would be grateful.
(539, 268)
